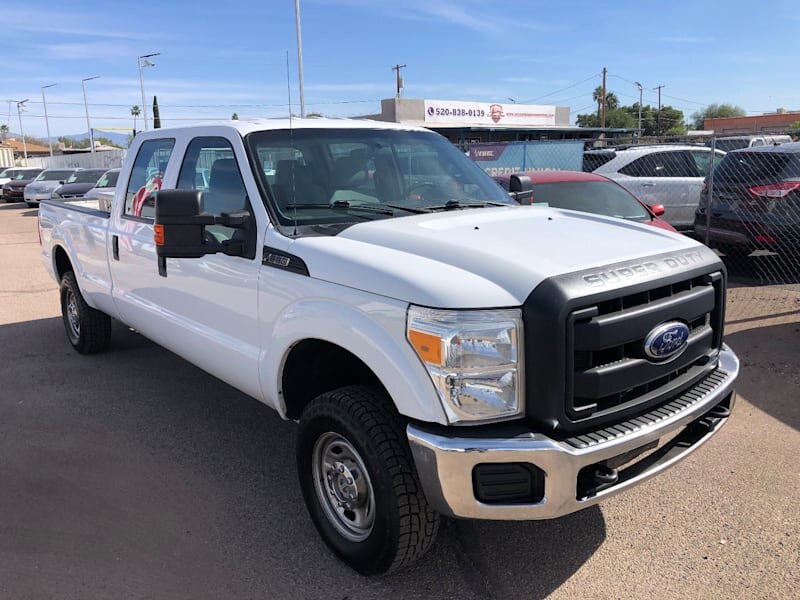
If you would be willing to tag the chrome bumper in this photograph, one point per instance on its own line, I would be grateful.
(445, 463)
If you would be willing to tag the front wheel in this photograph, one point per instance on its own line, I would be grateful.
(88, 330)
(359, 482)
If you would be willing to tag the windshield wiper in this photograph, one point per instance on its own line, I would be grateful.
(344, 204)
(455, 204)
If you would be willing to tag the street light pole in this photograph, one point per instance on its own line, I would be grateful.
(299, 57)
(86, 107)
(143, 62)
(639, 85)
(20, 106)
(46, 122)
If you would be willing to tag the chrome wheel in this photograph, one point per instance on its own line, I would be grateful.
(73, 319)
(343, 486)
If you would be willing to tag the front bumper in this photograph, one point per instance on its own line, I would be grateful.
(446, 463)
(37, 196)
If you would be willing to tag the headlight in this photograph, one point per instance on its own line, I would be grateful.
(474, 358)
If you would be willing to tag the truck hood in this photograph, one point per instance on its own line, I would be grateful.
(490, 257)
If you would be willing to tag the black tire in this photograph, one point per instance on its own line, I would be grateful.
(404, 526)
(32, 204)
(88, 330)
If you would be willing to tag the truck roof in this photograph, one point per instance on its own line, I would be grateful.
(245, 126)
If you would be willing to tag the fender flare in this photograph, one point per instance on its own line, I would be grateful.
(382, 350)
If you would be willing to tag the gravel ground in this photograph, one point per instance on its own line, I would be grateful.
(132, 474)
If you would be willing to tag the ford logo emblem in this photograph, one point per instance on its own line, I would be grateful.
(667, 341)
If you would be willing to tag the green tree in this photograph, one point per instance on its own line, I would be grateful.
(234, 117)
(794, 129)
(156, 114)
(612, 102)
(716, 111)
(135, 112)
(3, 132)
(618, 116)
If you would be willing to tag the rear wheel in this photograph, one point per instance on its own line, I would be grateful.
(359, 482)
(88, 330)
(32, 204)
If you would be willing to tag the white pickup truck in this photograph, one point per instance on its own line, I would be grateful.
(445, 350)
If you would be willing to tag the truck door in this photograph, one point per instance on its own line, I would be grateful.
(205, 309)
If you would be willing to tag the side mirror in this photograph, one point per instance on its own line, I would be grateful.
(180, 228)
(657, 209)
(521, 188)
(180, 225)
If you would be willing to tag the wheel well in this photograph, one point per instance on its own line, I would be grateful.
(314, 367)
(61, 261)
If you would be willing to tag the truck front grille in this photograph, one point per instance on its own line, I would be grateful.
(607, 369)
(585, 361)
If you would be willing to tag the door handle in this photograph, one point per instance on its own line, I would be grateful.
(115, 246)
(648, 184)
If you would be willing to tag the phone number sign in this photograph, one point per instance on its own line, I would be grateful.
(487, 113)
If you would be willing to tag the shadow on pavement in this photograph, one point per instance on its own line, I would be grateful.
(135, 473)
(763, 268)
(770, 369)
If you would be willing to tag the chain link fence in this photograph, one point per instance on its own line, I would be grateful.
(743, 203)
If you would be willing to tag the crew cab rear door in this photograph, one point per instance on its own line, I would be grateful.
(204, 309)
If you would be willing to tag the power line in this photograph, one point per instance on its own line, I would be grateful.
(569, 87)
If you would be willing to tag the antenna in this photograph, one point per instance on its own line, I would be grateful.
(291, 139)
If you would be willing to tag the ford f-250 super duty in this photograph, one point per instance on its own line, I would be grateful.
(444, 350)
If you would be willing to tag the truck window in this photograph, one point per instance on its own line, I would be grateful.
(210, 165)
(146, 177)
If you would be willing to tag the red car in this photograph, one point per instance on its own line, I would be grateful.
(586, 192)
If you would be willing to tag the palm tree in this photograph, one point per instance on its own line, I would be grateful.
(3, 132)
(135, 112)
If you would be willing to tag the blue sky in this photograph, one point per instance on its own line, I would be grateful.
(223, 57)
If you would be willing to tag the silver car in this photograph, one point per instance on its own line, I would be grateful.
(104, 189)
(668, 174)
(40, 188)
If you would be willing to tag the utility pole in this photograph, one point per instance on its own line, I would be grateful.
(144, 62)
(46, 122)
(20, 108)
(639, 85)
(603, 101)
(658, 114)
(299, 57)
(399, 79)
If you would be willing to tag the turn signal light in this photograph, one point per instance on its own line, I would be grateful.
(427, 345)
(158, 234)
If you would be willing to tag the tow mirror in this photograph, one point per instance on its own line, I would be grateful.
(180, 228)
(521, 188)
(657, 209)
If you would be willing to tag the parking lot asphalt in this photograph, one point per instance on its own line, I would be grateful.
(132, 474)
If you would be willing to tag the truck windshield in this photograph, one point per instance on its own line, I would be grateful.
(327, 176)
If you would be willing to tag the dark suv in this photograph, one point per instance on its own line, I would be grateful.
(755, 202)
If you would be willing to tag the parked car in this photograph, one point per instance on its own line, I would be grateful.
(14, 188)
(78, 184)
(755, 202)
(671, 175)
(41, 187)
(103, 190)
(737, 142)
(585, 192)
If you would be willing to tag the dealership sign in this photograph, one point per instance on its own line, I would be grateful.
(488, 113)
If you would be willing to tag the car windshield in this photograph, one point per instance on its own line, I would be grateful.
(599, 197)
(22, 175)
(54, 175)
(328, 176)
(88, 176)
(732, 144)
(108, 180)
(7, 173)
(754, 167)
